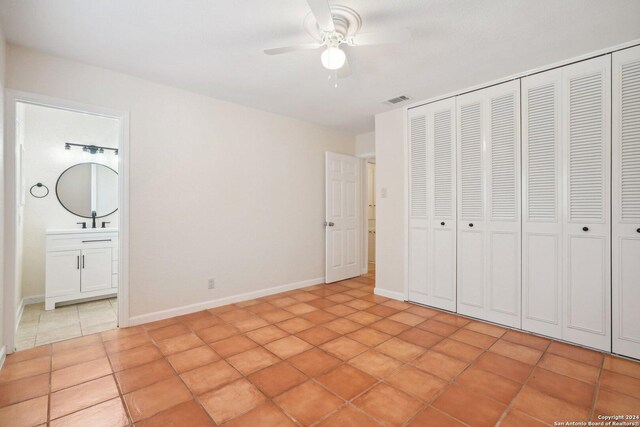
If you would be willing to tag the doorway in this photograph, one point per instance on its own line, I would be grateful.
(371, 215)
(66, 234)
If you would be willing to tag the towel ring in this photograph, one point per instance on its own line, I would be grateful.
(39, 185)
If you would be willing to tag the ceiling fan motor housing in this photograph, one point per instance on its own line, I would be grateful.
(347, 23)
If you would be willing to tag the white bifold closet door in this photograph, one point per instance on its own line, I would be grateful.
(488, 191)
(626, 202)
(432, 225)
(566, 216)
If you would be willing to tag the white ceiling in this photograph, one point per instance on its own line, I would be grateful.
(215, 47)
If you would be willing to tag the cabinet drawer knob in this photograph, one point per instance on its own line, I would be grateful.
(442, 223)
(585, 228)
(470, 224)
(637, 230)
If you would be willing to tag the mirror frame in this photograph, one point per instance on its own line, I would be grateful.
(83, 163)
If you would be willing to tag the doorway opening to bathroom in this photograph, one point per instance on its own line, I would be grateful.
(66, 239)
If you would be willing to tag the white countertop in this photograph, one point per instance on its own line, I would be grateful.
(82, 230)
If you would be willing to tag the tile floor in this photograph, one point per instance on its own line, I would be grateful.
(327, 355)
(38, 327)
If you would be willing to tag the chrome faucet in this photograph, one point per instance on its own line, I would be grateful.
(93, 219)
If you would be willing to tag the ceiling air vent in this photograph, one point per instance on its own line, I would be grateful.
(397, 100)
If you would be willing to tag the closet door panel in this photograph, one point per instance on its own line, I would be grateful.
(626, 202)
(444, 268)
(542, 252)
(418, 272)
(442, 175)
(587, 97)
(471, 201)
(504, 278)
(471, 272)
(418, 206)
(503, 203)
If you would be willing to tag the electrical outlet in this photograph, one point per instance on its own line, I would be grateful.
(212, 283)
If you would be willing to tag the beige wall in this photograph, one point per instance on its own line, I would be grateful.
(391, 245)
(44, 132)
(366, 144)
(217, 190)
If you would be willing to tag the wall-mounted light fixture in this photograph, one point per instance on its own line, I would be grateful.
(93, 149)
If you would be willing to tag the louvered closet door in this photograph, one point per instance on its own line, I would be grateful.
(441, 152)
(542, 255)
(587, 155)
(626, 202)
(503, 204)
(418, 208)
(471, 110)
(489, 204)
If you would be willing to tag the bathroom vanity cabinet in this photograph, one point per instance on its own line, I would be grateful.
(80, 264)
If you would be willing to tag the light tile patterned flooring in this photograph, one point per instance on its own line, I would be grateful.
(38, 326)
(326, 355)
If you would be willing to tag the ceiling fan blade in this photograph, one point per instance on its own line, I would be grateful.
(380, 37)
(287, 49)
(345, 70)
(322, 12)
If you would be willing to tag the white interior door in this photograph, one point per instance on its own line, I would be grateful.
(626, 202)
(542, 260)
(587, 132)
(488, 155)
(371, 202)
(503, 204)
(471, 204)
(342, 217)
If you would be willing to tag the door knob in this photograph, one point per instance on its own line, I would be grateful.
(328, 224)
(585, 228)
(442, 223)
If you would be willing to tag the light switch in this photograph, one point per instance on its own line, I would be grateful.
(383, 192)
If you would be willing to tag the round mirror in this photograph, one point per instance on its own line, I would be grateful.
(88, 187)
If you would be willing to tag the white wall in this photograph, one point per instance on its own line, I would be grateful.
(391, 174)
(217, 190)
(2, 257)
(44, 132)
(366, 144)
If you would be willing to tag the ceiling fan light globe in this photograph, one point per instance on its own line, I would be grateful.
(333, 58)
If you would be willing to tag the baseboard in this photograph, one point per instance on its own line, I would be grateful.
(34, 299)
(192, 308)
(389, 294)
(3, 355)
(26, 301)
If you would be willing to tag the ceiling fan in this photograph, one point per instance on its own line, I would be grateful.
(333, 26)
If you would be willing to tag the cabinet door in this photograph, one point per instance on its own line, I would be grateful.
(62, 273)
(418, 210)
(626, 202)
(441, 150)
(587, 133)
(471, 200)
(542, 190)
(502, 140)
(96, 269)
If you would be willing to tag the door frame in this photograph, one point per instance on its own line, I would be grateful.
(12, 97)
(364, 184)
